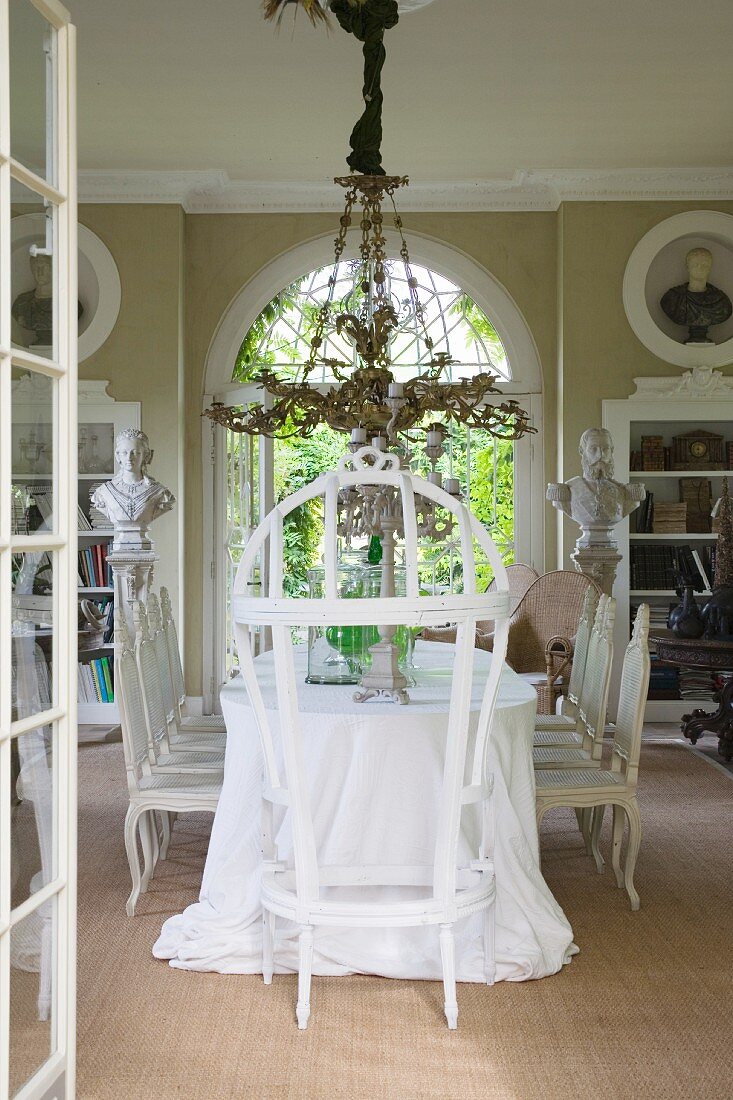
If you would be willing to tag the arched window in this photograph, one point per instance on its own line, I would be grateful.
(280, 335)
(250, 474)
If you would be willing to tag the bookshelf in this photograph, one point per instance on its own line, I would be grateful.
(33, 451)
(665, 407)
(100, 419)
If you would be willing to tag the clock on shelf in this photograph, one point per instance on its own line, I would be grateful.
(697, 450)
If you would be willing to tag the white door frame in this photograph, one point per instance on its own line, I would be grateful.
(526, 387)
(56, 1075)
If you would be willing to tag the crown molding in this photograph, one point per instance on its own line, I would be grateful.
(213, 192)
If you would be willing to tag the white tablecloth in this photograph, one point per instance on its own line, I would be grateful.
(375, 772)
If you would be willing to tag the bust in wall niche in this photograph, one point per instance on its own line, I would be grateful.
(595, 500)
(33, 309)
(697, 304)
(132, 500)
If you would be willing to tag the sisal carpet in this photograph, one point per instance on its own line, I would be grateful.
(640, 1012)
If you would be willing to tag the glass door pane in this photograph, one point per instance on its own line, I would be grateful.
(38, 531)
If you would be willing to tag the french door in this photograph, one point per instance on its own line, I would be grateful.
(38, 320)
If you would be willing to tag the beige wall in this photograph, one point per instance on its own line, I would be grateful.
(599, 354)
(141, 356)
(179, 274)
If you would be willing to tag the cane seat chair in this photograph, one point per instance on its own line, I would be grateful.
(436, 893)
(592, 788)
(169, 793)
(564, 721)
(590, 723)
(188, 725)
(519, 578)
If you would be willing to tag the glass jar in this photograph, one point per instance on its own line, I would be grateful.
(340, 654)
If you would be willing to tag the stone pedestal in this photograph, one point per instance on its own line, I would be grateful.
(598, 562)
(132, 579)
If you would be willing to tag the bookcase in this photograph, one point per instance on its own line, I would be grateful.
(699, 401)
(100, 419)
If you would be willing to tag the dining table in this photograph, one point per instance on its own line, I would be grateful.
(374, 771)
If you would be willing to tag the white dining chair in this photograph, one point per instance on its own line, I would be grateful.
(149, 791)
(164, 756)
(438, 893)
(189, 725)
(593, 788)
(563, 721)
(590, 723)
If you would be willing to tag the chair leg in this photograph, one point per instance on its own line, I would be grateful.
(586, 827)
(133, 813)
(596, 822)
(632, 851)
(166, 824)
(268, 946)
(490, 943)
(46, 975)
(619, 820)
(147, 826)
(305, 966)
(448, 958)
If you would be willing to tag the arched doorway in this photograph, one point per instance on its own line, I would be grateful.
(268, 321)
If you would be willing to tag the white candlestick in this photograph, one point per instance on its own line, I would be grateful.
(395, 389)
(452, 485)
(435, 478)
(379, 442)
(435, 439)
(358, 435)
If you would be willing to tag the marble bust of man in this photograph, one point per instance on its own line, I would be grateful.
(595, 500)
(697, 303)
(132, 500)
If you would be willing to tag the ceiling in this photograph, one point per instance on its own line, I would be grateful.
(474, 89)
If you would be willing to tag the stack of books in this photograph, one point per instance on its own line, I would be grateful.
(697, 683)
(664, 681)
(670, 519)
(98, 519)
(82, 520)
(93, 568)
(96, 684)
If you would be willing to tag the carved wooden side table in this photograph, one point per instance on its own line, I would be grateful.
(714, 656)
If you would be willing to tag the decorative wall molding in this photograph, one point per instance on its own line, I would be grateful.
(213, 192)
(700, 383)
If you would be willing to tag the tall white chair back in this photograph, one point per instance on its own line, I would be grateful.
(632, 700)
(582, 641)
(593, 702)
(451, 893)
(174, 652)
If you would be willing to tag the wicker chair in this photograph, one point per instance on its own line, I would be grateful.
(520, 578)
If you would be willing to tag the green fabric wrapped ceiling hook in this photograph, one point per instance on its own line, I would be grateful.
(368, 22)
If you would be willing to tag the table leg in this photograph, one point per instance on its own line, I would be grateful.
(720, 723)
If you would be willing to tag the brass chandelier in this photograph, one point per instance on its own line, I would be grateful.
(367, 400)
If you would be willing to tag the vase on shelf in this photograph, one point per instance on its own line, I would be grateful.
(686, 620)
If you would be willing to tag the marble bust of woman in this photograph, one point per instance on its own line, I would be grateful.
(132, 500)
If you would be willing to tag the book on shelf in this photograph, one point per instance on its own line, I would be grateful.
(82, 520)
(93, 568)
(670, 519)
(96, 681)
(645, 515)
(653, 567)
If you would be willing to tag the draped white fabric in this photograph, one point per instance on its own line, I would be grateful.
(375, 772)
